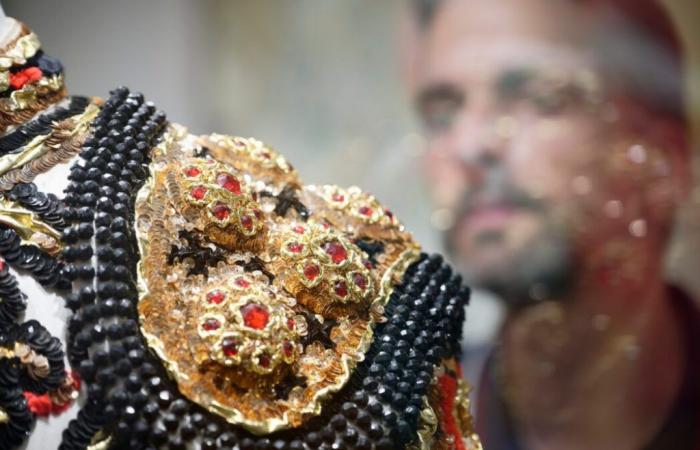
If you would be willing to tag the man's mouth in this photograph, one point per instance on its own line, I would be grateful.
(488, 216)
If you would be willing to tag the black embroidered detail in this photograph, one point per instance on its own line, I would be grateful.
(291, 381)
(319, 332)
(201, 152)
(287, 199)
(372, 248)
(202, 255)
(254, 264)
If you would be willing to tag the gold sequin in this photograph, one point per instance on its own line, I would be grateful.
(302, 271)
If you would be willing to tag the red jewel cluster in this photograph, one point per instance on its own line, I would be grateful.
(322, 254)
(226, 200)
(251, 328)
(360, 205)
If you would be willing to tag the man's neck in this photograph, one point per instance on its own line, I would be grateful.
(583, 372)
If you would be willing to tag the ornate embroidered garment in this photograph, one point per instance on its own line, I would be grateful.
(216, 301)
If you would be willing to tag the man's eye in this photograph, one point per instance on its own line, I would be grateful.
(556, 99)
(550, 101)
(439, 116)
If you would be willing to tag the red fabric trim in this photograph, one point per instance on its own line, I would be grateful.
(42, 405)
(448, 392)
(25, 76)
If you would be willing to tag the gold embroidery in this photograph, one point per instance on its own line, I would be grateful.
(463, 416)
(43, 152)
(427, 427)
(24, 48)
(275, 278)
(29, 227)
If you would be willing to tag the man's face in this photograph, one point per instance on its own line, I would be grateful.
(525, 154)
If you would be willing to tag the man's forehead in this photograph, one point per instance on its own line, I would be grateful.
(549, 19)
(483, 61)
(478, 34)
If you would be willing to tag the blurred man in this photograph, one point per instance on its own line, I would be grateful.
(558, 153)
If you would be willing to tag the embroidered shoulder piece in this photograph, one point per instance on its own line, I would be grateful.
(220, 302)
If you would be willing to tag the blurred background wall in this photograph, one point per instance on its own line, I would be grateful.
(320, 80)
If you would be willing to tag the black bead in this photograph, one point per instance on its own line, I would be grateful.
(338, 422)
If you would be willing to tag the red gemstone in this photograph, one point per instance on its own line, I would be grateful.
(221, 211)
(338, 197)
(368, 264)
(192, 171)
(389, 214)
(258, 214)
(298, 229)
(264, 360)
(216, 297)
(288, 348)
(247, 222)
(360, 281)
(295, 247)
(290, 323)
(326, 225)
(229, 346)
(266, 155)
(366, 211)
(229, 182)
(198, 192)
(255, 316)
(341, 289)
(336, 251)
(211, 325)
(2, 264)
(242, 282)
(311, 272)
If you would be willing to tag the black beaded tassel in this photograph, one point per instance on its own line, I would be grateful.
(99, 199)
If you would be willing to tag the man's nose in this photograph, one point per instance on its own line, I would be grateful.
(480, 142)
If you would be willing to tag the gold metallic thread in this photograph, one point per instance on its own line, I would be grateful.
(165, 205)
(427, 427)
(45, 151)
(29, 227)
(100, 442)
(24, 48)
(463, 416)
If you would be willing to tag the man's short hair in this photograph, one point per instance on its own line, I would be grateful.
(636, 44)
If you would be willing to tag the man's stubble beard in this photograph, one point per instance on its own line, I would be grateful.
(543, 269)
